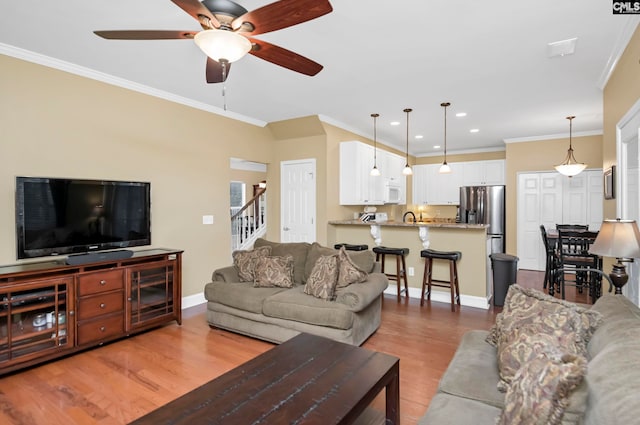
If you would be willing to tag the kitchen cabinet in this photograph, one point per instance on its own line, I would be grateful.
(481, 173)
(430, 187)
(358, 186)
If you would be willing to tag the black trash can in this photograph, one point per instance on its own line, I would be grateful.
(505, 273)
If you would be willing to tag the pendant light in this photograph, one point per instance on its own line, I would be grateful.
(570, 167)
(407, 171)
(444, 168)
(374, 170)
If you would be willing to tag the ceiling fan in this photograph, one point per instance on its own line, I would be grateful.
(228, 30)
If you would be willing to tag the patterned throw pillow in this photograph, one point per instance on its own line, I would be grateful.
(540, 391)
(555, 333)
(274, 271)
(348, 271)
(245, 262)
(323, 278)
(524, 305)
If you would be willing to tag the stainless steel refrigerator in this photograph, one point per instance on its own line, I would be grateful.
(485, 205)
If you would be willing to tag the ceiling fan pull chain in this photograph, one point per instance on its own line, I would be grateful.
(224, 84)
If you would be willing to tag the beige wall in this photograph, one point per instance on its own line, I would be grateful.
(60, 125)
(620, 94)
(541, 156)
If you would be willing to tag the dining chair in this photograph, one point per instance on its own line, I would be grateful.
(572, 227)
(574, 258)
(551, 257)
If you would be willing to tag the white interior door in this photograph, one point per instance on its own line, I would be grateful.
(628, 187)
(298, 201)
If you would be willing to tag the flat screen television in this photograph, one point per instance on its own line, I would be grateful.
(57, 216)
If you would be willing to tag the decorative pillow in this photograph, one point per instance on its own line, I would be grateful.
(298, 250)
(524, 305)
(555, 333)
(245, 262)
(540, 391)
(323, 279)
(348, 272)
(315, 252)
(274, 271)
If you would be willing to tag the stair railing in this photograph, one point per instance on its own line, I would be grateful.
(249, 222)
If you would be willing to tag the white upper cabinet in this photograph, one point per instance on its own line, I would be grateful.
(480, 173)
(359, 187)
(432, 188)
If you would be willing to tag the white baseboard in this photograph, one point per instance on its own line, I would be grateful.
(193, 300)
(444, 297)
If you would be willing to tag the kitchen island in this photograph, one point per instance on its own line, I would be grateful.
(474, 268)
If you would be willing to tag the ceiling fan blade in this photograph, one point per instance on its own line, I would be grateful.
(146, 35)
(283, 57)
(199, 12)
(214, 71)
(282, 14)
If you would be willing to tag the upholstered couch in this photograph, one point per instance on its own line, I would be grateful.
(273, 313)
(607, 394)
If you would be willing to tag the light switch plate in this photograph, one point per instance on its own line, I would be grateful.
(207, 219)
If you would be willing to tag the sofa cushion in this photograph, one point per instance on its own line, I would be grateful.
(473, 374)
(298, 250)
(241, 295)
(620, 314)
(274, 271)
(245, 262)
(448, 409)
(294, 304)
(525, 305)
(323, 278)
(348, 271)
(358, 297)
(541, 388)
(553, 333)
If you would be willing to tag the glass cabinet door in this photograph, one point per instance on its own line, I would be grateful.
(34, 319)
(151, 293)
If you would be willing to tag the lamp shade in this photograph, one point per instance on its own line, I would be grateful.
(444, 168)
(222, 45)
(570, 169)
(618, 239)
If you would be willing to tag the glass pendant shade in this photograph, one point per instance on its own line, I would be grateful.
(407, 171)
(444, 168)
(222, 45)
(570, 167)
(375, 171)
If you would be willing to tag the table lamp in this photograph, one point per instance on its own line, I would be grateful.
(619, 239)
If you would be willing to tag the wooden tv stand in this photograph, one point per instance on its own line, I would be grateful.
(50, 309)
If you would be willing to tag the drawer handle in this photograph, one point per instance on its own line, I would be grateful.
(103, 282)
(102, 329)
(102, 305)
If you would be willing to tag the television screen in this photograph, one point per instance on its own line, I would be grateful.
(61, 216)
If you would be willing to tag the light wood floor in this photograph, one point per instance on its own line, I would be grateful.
(122, 381)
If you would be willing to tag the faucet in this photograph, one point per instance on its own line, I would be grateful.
(408, 213)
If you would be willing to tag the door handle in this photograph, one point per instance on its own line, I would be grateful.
(286, 229)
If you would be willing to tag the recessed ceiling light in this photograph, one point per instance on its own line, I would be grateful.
(436, 146)
(461, 114)
(395, 123)
(474, 130)
(419, 136)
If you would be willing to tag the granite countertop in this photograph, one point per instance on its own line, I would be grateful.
(419, 224)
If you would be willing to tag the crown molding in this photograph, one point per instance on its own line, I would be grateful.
(553, 136)
(626, 32)
(81, 71)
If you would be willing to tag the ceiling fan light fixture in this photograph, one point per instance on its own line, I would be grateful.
(570, 167)
(222, 45)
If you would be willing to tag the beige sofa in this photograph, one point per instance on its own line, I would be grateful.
(608, 394)
(277, 314)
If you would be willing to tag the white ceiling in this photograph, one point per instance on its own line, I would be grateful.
(488, 58)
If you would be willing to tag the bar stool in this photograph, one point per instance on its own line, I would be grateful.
(427, 280)
(399, 254)
(351, 247)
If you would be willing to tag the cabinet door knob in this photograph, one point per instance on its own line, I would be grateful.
(102, 329)
(102, 305)
(71, 313)
(103, 282)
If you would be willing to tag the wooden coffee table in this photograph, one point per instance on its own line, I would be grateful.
(306, 380)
